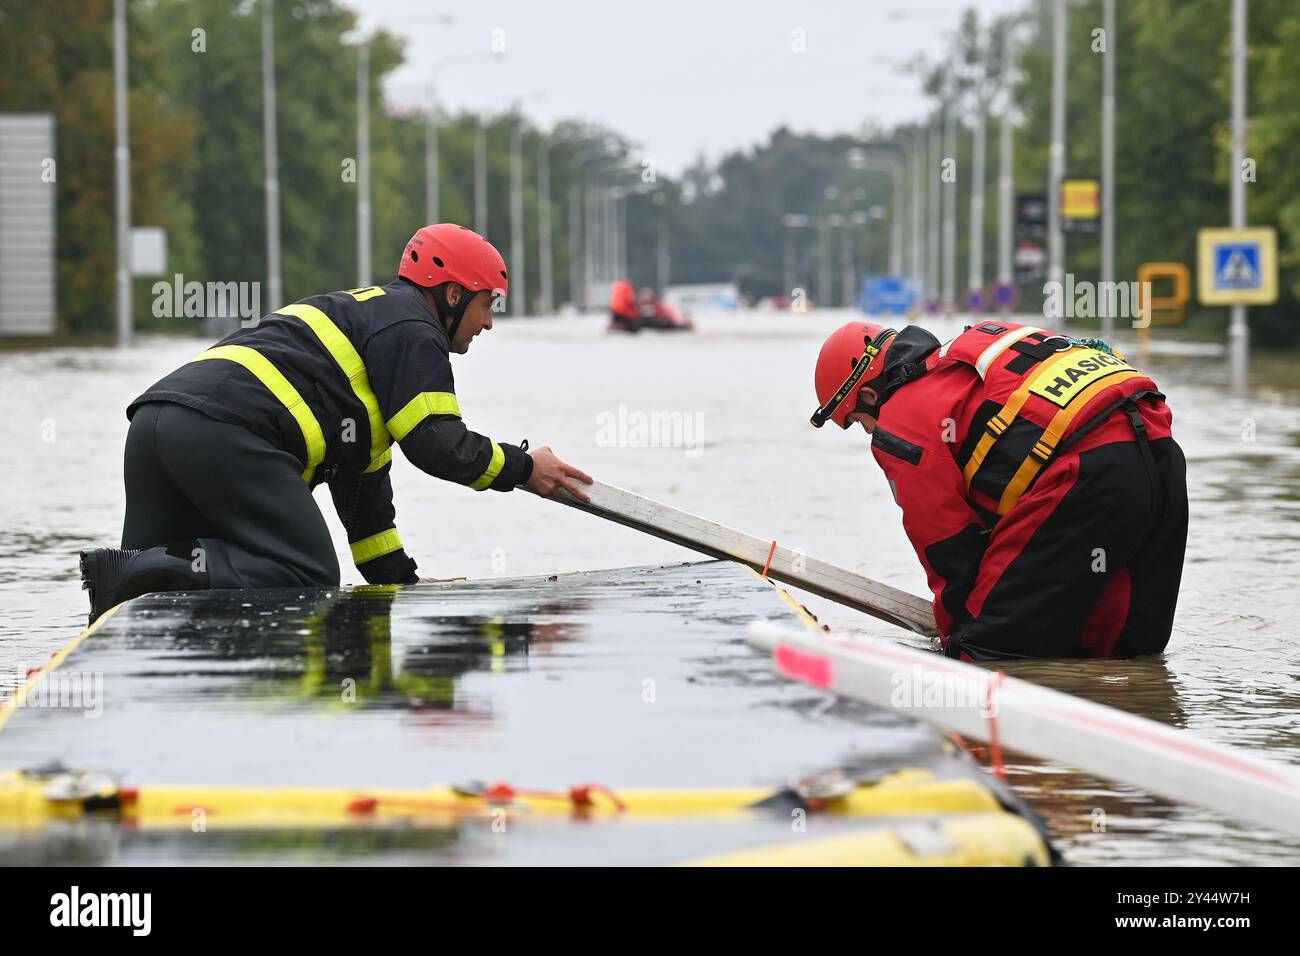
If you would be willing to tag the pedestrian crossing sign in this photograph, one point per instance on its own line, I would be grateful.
(1237, 266)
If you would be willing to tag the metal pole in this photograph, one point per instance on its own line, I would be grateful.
(976, 253)
(431, 204)
(896, 230)
(575, 240)
(617, 200)
(480, 178)
(1056, 156)
(787, 260)
(1238, 329)
(122, 170)
(918, 206)
(1006, 184)
(950, 206)
(824, 263)
(589, 245)
(610, 251)
(846, 262)
(547, 277)
(663, 260)
(936, 167)
(364, 272)
(270, 148)
(1108, 171)
(620, 238)
(518, 268)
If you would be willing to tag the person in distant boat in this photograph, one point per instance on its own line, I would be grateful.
(222, 454)
(1038, 477)
(624, 309)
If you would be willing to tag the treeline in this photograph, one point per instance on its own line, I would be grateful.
(197, 166)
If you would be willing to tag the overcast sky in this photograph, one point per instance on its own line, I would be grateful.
(679, 77)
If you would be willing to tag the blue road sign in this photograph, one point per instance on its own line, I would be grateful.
(1005, 295)
(1236, 266)
(887, 294)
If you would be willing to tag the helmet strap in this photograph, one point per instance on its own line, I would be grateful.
(448, 311)
(853, 384)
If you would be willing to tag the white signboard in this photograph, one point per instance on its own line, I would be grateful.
(148, 251)
(28, 180)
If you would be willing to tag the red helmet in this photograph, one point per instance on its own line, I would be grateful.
(447, 252)
(841, 372)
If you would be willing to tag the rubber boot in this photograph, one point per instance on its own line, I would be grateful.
(113, 576)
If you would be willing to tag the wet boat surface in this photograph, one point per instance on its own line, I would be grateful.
(630, 679)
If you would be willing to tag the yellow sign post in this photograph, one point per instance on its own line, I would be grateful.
(1161, 309)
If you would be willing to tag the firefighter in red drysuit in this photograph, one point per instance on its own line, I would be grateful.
(1038, 478)
(624, 309)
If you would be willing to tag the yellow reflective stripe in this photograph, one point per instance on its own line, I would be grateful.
(1003, 419)
(493, 469)
(280, 387)
(349, 361)
(420, 408)
(376, 546)
(1060, 423)
(366, 292)
(384, 458)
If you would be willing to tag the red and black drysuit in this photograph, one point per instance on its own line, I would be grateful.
(223, 453)
(1041, 488)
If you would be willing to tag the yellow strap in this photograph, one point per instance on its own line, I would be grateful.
(332, 337)
(1060, 422)
(384, 458)
(420, 408)
(280, 387)
(1007, 414)
(904, 792)
(376, 546)
(493, 469)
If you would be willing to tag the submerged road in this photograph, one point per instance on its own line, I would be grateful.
(717, 423)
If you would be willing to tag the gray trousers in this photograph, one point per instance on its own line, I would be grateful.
(191, 477)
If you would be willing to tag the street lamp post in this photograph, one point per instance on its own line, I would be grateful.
(432, 117)
(1105, 300)
(480, 178)
(932, 208)
(1238, 330)
(918, 205)
(950, 199)
(546, 276)
(976, 256)
(1056, 155)
(790, 222)
(122, 175)
(364, 238)
(518, 268)
(1006, 184)
(270, 156)
(663, 250)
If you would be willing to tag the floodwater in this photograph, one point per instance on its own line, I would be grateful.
(716, 423)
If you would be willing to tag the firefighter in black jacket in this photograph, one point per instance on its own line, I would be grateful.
(222, 454)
